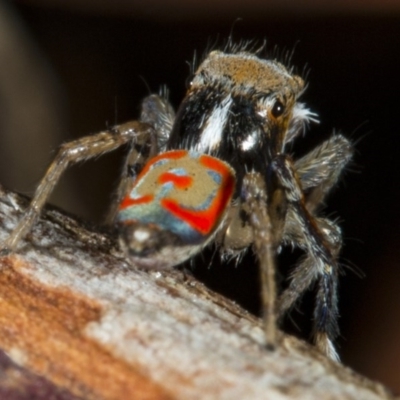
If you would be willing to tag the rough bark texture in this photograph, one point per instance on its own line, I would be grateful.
(83, 323)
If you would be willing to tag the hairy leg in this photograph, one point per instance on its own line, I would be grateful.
(70, 153)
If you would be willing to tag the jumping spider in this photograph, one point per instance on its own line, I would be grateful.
(243, 110)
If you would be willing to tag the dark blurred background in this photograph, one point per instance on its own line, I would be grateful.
(74, 69)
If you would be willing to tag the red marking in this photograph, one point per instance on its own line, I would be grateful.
(216, 165)
(170, 155)
(182, 182)
(204, 220)
(128, 201)
(148, 198)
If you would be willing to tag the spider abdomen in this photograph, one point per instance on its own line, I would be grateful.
(174, 207)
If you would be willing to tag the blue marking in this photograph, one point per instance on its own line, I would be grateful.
(217, 178)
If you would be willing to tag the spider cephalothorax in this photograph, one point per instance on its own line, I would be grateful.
(238, 108)
(242, 111)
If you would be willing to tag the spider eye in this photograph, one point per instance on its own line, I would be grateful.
(277, 109)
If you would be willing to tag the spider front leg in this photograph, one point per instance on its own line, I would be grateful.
(255, 205)
(318, 172)
(315, 236)
(256, 220)
(71, 153)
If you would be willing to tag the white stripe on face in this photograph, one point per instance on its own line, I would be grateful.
(214, 125)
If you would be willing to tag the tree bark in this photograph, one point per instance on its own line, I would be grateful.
(77, 315)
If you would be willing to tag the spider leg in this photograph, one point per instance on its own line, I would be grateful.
(71, 153)
(159, 114)
(319, 170)
(255, 205)
(316, 237)
(305, 275)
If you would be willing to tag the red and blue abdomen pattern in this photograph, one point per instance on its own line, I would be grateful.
(181, 192)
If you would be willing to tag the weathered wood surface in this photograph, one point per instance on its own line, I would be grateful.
(74, 312)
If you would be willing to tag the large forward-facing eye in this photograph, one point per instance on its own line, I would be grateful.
(277, 109)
